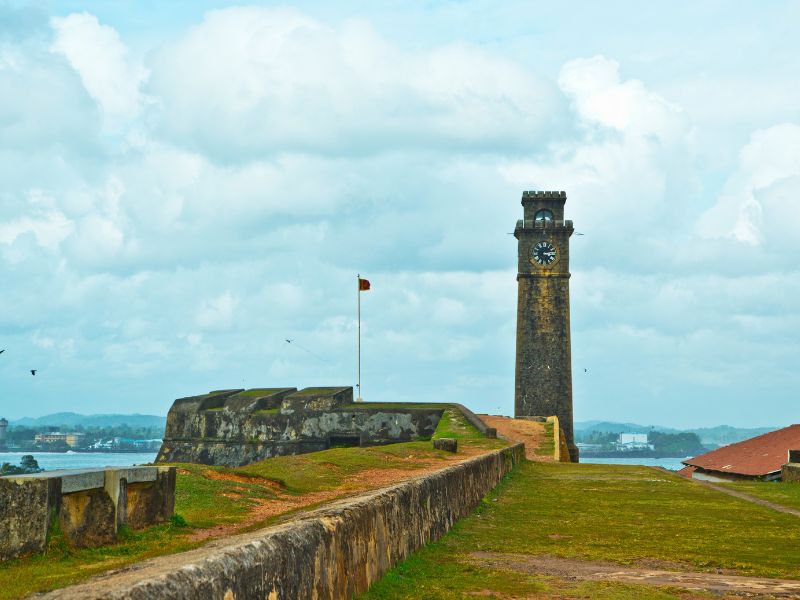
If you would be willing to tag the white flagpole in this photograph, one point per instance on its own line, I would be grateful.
(358, 286)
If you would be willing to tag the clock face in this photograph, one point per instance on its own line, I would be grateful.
(544, 253)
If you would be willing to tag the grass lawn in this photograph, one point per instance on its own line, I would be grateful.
(628, 515)
(212, 496)
(787, 494)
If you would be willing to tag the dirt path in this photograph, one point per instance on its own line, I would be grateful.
(263, 509)
(530, 433)
(571, 569)
(741, 495)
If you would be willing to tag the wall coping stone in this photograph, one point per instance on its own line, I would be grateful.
(79, 480)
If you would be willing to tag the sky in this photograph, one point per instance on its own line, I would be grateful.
(186, 185)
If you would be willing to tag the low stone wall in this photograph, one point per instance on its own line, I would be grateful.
(560, 446)
(790, 472)
(333, 552)
(89, 505)
(476, 421)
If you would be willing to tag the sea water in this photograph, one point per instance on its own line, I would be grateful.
(673, 464)
(50, 461)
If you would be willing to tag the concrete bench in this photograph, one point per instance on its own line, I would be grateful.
(90, 505)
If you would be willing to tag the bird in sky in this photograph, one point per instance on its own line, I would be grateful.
(3, 350)
(33, 371)
(586, 370)
(578, 233)
(293, 343)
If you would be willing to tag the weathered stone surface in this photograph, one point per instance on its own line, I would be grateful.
(446, 444)
(334, 552)
(88, 518)
(90, 505)
(148, 503)
(26, 509)
(790, 472)
(543, 383)
(225, 428)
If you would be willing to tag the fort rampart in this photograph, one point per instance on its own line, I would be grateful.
(333, 552)
(237, 427)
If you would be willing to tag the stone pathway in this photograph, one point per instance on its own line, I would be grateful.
(571, 569)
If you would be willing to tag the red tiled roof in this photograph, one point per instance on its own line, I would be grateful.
(687, 471)
(757, 456)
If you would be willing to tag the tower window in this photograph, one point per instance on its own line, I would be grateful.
(543, 215)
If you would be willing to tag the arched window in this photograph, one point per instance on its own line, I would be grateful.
(543, 215)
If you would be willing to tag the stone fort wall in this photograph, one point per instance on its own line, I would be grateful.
(237, 427)
(334, 552)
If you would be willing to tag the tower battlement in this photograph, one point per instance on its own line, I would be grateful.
(541, 195)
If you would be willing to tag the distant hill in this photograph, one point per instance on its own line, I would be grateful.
(720, 435)
(70, 419)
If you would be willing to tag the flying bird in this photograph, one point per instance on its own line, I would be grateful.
(3, 350)
(293, 343)
(33, 371)
(578, 233)
(586, 370)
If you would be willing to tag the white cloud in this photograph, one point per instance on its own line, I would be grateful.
(217, 312)
(761, 199)
(269, 81)
(102, 60)
(629, 178)
(600, 97)
(50, 227)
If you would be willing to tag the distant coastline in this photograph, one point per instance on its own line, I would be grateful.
(634, 454)
(75, 451)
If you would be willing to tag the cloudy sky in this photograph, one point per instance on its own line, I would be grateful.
(184, 185)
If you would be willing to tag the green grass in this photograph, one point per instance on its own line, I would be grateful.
(547, 445)
(258, 392)
(202, 501)
(317, 391)
(787, 494)
(598, 512)
(394, 406)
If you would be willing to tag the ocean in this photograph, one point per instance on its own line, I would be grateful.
(673, 464)
(86, 460)
(50, 461)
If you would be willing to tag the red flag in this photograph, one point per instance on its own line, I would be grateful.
(363, 284)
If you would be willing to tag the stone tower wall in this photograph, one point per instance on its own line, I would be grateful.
(543, 385)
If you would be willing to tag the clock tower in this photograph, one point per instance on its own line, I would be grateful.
(543, 384)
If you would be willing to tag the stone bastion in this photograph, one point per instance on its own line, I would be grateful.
(237, 427)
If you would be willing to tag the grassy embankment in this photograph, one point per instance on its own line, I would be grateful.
(212, 496)
(628, 515)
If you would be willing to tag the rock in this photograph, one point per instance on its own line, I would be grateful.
(447, 444)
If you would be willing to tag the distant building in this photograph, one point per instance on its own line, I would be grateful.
(589, 448)
(50, 438)
(758, 458)
(633, 441)
(76, 440)
(3, 428)
(73, 440)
